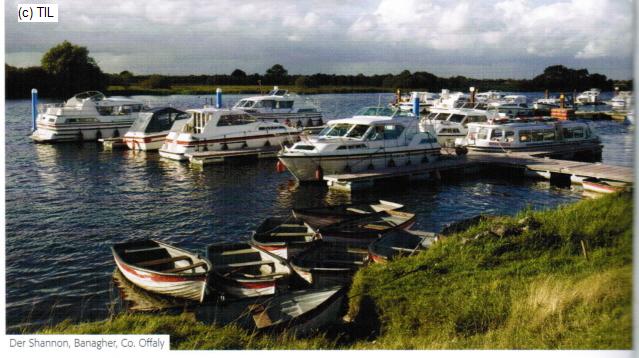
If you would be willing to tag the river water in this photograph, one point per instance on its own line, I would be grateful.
(66, 204)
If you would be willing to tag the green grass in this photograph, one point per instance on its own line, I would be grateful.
(238, 89)
(519, 282)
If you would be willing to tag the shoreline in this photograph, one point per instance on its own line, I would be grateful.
(471, 290)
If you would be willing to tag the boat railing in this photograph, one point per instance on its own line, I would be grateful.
(59, 109)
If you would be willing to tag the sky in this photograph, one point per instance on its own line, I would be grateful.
(481, 38)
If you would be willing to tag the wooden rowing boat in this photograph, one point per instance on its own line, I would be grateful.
(602, 186)
(298, 312)
(242, 270)
(361, 231)
(161, 268)
(284, 237)
(326, 264)
(328, 215)
(399, 243)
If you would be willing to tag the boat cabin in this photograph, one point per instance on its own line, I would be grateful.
(276, 100)
(460, 116)
(159, 119)
(528, 133)
(210, 118)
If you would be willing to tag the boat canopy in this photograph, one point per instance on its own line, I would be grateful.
(157, 120)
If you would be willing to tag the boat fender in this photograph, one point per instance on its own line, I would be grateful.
(80, 136)
(267, 143)
(224, 146)
(244, 145)
(371, 166)
(116, 133)
(98, 135)
(347, 169)
(319, 173)
(280, 167)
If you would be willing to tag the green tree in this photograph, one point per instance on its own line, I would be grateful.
(72, 69)
(126, 78)
(276, 74)
(238, 73)
(156, 81)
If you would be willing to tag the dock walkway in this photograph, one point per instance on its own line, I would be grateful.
(530, 163)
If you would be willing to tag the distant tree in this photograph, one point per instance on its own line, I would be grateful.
(301, 82)
(238, 73)
(125, 78)
(73, 69)
(276, 74)
(156, 81)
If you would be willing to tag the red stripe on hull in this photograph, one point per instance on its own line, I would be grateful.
(159, 278)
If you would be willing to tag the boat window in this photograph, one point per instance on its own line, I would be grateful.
(284, 104)
(337, 130)
(376, 111)
(538, 135)
(392, 131)
(549, 134)
(248, 104)
(432, 115)
(578, 132)
(160, 122)
(241, 103)
(233, 120)
(353, 146)
(496, 134)
(304, 147)
(475, 119)
(306, 110)
(567, 133)
(482, 134)
(524, 135)
(357, 131)
(457, 118)
(270, 128)
(510, 136)
(377, 133)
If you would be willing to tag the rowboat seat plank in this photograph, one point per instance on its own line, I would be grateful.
(185, 268)
(375, 227)
(146, 249)
(242, 264)
(238, 252)
(285, 234)
(260, 316)
(292, 225)
(355, 210)
(163, 261)
(349, 262)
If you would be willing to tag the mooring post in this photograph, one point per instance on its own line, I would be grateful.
(416, 106)
(34, 109)
(218, 98)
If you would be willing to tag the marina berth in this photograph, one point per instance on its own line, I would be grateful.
(571, 137)
(86, 116)
(327, 264)
(399, 243)
(283, 237)
(452, 123)
(299, 312)
(243, 270)
(375, 137)
(151, 127)
(164, 269)
(280, 106)
(213, 129)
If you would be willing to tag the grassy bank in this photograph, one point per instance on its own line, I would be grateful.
(239, 89)
(522, 282)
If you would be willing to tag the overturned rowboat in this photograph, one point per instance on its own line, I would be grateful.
(602, 186)
(328, 215)
(161, 268)
(242, 270)
(298, 312)
(326, 264)
(398, 244)
(284, 237)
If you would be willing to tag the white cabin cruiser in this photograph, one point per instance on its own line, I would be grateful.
(489, 97)
(589, 97)
(426, 100)
(209, 129)
(86, 116)
(151, 128)
(523, 136)
(622, 101)
(547, 103)
(449, 100)
(375, 137)
(280, 106)
(450, 124)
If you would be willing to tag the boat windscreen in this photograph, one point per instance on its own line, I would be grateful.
(376, 111)
(336, 130)
(140, 123)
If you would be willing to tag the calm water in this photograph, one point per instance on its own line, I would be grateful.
(67, 204)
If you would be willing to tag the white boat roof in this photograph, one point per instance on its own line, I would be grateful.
(458, 110)
(522, 124)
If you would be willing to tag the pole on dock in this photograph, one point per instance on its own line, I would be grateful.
(546, 94)
(472, 95)
(218, 98)
(34, 109)
(562, 100)
(416, 106)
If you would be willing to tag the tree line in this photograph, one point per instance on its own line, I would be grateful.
(67, 69)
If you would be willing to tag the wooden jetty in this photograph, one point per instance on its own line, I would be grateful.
(536, 164)
(113, 143)
(220, 156)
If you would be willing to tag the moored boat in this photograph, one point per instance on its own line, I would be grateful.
(376, 137)
(280, 106)
(150, 129)
(299, 312)
(602, 186)
(242, 270)
(284, 237)
(399, 243)
(214, 129)
(361, 231)
(319, 217)
(84, 117)
(452, 123)
(161, 268)
(325, 264)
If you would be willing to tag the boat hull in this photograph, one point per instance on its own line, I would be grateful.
(305, 168)
(191, 288)
(79, 133)
(602, 188)
(145, 143)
